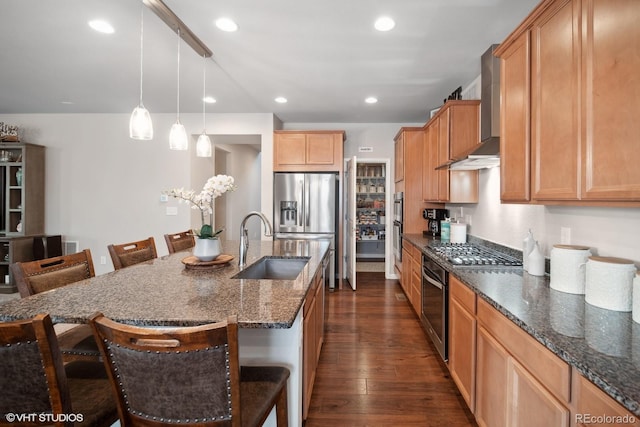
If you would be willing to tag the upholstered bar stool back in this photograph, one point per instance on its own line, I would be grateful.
(39, 383)
(127, 254)
(179, 241)
(76, 342)
(187, 376)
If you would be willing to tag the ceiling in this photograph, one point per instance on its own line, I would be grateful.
(325, 56)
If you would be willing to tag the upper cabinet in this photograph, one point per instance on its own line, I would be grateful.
(312, 151)
(569, 105)
(451, 132)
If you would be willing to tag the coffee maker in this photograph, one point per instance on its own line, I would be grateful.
(433, 217)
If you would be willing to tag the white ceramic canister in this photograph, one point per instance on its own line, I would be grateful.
(568, 268)
(608, 282)
(636, 299)
(458, 232)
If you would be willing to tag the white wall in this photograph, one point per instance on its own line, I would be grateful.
(102, 187)
(611, 231)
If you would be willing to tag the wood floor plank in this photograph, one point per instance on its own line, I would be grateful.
(377, 367)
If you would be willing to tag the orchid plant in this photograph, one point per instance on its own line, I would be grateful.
(203, 201)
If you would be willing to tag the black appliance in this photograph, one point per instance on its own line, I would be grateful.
(435, 282)
(433, 217)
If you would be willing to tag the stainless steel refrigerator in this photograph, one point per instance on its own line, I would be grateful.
(304, 208)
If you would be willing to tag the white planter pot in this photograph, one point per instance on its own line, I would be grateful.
(207, 249)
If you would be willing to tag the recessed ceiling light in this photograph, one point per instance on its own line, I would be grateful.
(101, 26)
(281, 100)
(371, 100)
(226, 24)
(66, 102)
(209, 100)
(384, 23)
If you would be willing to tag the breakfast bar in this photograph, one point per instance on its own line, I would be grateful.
(165, 293)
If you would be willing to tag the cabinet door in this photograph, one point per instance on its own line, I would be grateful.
(554, 92)
(593, 403)
(530, 404)
(611, 91)
(406, 272)
(320, 149)
(398, 160)
(491, 381)
(443, 155)
(464, 130)
(515, 146)
(309, 359)
(416, 286)
(289, 149)
(462, 351)
(319, 334)
(430, 162)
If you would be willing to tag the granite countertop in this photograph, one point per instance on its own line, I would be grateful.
(603, 345)
(162, 292)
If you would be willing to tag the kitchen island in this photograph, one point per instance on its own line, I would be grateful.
(164, 293)
(601, 345)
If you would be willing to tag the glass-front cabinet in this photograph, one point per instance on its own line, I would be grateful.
(370, 210)
(21, 201)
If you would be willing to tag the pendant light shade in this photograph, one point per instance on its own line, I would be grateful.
(178, 139)
(203, 146)
(140, 125)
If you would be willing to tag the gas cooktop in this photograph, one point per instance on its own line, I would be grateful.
(469, 254)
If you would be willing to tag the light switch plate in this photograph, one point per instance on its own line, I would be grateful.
(164, 198)
(172, 210)
(565, 235)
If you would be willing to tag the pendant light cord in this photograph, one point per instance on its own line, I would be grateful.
(178, 97)
(204, 91)
(141, 45)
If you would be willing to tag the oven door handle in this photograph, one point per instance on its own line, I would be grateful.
(431, 281)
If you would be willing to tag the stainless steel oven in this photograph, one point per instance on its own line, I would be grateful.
(397, 226)
(435, 306)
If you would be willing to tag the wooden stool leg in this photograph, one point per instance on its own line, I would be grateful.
(282, 412)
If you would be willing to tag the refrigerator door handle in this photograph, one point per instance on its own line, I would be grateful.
(306, 195)
(301, 201)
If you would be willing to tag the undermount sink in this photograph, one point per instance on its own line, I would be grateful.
(274, 268)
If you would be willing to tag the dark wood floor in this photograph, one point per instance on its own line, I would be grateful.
(377, 367)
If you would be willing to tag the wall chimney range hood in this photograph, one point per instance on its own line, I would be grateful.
(487, 153)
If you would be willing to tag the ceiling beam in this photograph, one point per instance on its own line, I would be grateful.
(171, 19)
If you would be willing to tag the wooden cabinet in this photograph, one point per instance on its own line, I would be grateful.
(413, 139)
(535, 395)
(22, 189)
(398, 157)
(312, 151)
(462, 339)
(430, 162)
(452, 131)
(554, 103)
(508, 378)
(411, 282)
(312, 337)
(581, 115)
(515, 144)
(593, 404)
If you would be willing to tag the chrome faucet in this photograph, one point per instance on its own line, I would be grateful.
(244, 235)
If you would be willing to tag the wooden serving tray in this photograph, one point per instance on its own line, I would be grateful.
(193, 263)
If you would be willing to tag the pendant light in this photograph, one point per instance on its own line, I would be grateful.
(203, 146)
(178, 135)
(140, 125)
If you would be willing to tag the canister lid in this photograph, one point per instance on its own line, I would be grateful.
(572, 247)
(611, 260)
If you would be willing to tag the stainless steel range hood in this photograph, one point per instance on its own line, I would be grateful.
(487, 153)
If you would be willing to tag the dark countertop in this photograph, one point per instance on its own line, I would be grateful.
(162, 292)
(603, 345)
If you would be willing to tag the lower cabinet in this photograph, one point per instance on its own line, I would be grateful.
(411, 280)
(312, 337)
(509, 379)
